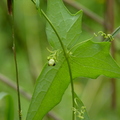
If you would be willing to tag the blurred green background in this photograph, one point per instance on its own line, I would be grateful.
(31, 44)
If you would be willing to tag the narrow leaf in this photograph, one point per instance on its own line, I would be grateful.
(80, 110)
(2, 95)
(9, 108)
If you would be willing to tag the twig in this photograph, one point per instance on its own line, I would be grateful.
(87, 11)
(11, 84)
(10, 4)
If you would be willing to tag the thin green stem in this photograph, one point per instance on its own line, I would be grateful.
(66, 57)
(117, 30)
(65, 54)
(16, 66)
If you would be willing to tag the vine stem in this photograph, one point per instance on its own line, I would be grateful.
(66, 57)
(65, 54)
(15, 57)
(115, 32)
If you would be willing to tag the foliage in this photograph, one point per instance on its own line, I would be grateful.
(87, 59)
(8, 108)
(31, 52)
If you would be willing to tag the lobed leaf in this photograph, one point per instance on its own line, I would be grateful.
(87, 59)
(67, 25)
(90, 59)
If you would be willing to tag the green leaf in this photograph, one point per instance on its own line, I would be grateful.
(80, 110)
(87, 59)
(90, 59)
(9, 106)
(2, 95)
(49, 89)
(67, 25)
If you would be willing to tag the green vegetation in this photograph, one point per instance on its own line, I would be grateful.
(73, 58)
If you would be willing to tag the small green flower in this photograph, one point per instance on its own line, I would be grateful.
(52, 58)
(107, 37)
(51, 62)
